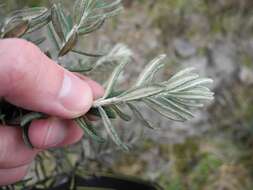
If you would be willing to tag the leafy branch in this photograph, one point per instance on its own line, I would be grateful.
(173, 98)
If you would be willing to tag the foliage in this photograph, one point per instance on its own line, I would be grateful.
(173, 98)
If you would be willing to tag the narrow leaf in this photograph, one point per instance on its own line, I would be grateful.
(70, 43)
(182, 73)
(193, 83)
(164, 110)
(120, 113)
(57, 22)
(17, 30)
(110, 129)
(140, 93)
(149, 70)
(113, 79)
(86, 54)
(89, 129)
(186, 114)
(138, 114)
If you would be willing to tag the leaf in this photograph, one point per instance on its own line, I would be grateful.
(16, 29)
(86, 54)
(55, 17)
(25, 136)
(109, 111)
(175, 84)
(28, 118)
(182, 73)
(192, 84)
(91, 27)
(70, 43)
(89, 129)
(138, 114)
(26, 14)
(61, 22)
(190, 97)
(108, 14)
(164, 110)
(79, 9)
(113, 79)
(140, 93)
(150, 70)
(110, 129)
(25, 121)
(120, 113)
(186, 114)
(186, 103)
(39, 22)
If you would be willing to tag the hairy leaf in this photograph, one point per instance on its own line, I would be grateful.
(110, 129)
(138, 114)
(150, 70)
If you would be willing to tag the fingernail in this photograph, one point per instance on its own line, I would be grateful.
(75, 95)
(56, 133)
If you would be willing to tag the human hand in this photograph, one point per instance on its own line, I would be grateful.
(30, 80)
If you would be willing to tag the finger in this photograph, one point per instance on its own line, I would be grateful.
(97, 89)
(29, 79)
(13, 152)
(54, 132)
(10, 176)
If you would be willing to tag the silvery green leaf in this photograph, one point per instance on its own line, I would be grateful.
(182, 73)
(86, 29)
(86, 54)
(84, 10)
(180, 81)
(79, 10)
(121, 113)
(138, 114)
(62, 23)
(113, 79)
(163, 109)
(186, 114)
(108, 14)
(39, 21)
(89, 129)
(105, 4)
(140, 93)
(120, 53)
(186, 103)
(191, 84)
(16, 29)
(70, 43)
(26, 14)
(110, 129)
(190, 97)
(55, 16)
(150, 70)
(52, 36)
(193, 92)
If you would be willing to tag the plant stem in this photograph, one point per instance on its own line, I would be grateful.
(105, 102)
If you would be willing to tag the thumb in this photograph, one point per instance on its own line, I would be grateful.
(29, 79)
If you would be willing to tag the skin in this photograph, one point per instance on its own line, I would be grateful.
(30, 80)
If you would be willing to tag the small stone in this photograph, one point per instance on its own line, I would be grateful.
(184, 48)
(246, 75)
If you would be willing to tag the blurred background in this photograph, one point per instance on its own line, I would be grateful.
(215, 150)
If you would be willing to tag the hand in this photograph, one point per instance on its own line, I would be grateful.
(30, 80)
